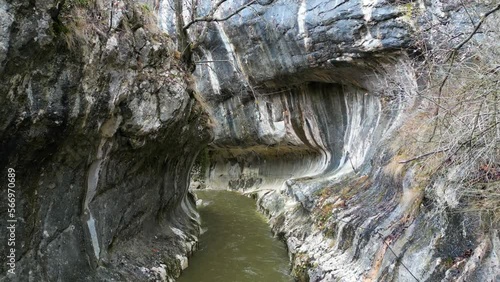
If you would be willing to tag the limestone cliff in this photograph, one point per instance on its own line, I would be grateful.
(98, 121)
(314, 103)
(319, 110)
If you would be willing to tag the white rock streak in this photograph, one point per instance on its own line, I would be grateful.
(231, 53)
(92, 180)
(367, 7)
(301, 22)
(212, 75)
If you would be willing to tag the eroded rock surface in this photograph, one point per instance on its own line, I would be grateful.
(309, 99)
(98, 123)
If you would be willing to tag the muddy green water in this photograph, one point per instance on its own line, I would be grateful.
(237, 245)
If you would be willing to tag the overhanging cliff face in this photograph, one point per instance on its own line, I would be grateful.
(314, 130)
(280, 43)
(298, 90)
(303, 80)
(308, 98)
(91, 99)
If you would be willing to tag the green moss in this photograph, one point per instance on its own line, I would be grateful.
(448, 262)
(330, 231)
(302, 265)
(408, 10)
(172, 266)
(145, 8)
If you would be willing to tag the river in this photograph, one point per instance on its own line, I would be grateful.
(237, 244)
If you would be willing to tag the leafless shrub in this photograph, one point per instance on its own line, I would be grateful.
(461, 116)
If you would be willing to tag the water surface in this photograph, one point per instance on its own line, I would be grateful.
(237, 245)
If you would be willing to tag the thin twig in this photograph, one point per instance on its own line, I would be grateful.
(210, 17)
(452, 57)
(211, 61)
(423, 156)
(394, 253)
(483, 18)
(381, 236)
(350, 161)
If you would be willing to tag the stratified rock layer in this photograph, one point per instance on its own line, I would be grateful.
(308, 99)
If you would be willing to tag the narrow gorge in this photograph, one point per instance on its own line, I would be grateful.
(367, 131)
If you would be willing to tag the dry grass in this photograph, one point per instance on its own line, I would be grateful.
(394, 168)
(484, 197)
(82, 20)
(78, 30)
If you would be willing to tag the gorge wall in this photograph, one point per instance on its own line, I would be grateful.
(91, 96)
(311, 101)
(309, 106)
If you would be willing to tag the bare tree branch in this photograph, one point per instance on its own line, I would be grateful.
(211, 61)
(210, 16)
(483, 18)
(452, 57)
(422, 156)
